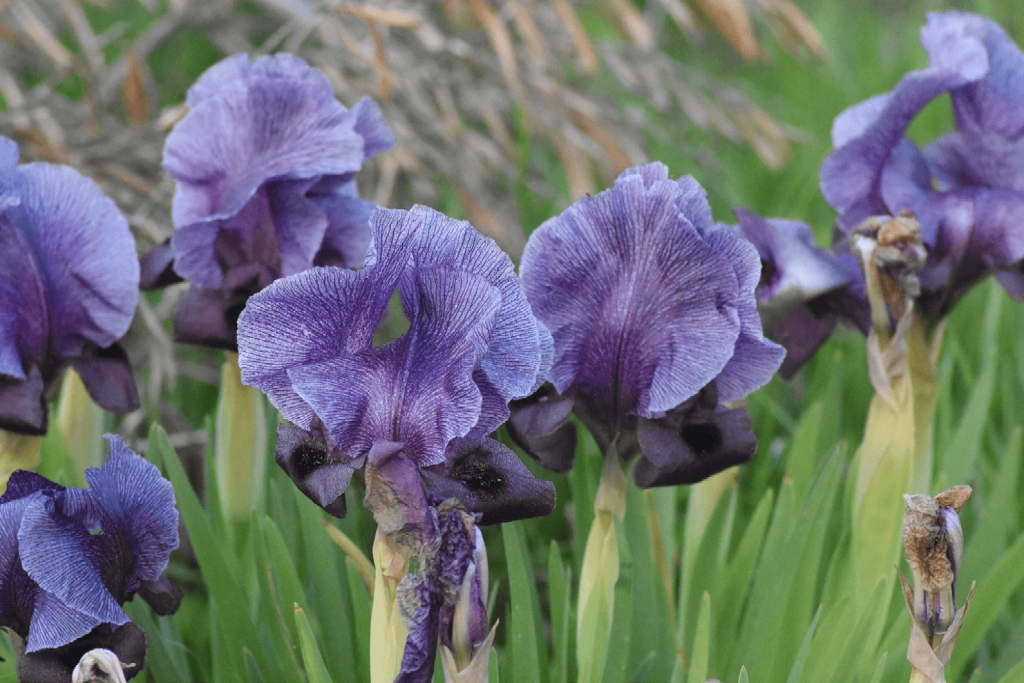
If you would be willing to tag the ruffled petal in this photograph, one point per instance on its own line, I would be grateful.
(641, 308)
(514, 352)
(487, 477)
(275, 119)
(139, 521)
(755, 359)
(418, 389)
(991, 104)
(72, 594)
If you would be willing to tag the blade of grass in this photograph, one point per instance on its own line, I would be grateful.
(312, 660)
(525, 631)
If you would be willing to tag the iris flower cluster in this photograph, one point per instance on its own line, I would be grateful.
(69, 558)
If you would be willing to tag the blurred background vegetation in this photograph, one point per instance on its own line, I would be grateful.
(506, 111)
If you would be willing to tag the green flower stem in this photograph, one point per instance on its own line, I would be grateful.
(895, 456)
(387, 630)
(17, 452)
(600, 572)
(82, 423)
(241, 450)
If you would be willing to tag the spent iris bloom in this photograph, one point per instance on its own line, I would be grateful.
(966, 188)
(412, 415)
(70, 557)
(265, 165)
(804, 290)
(69, 282)
(655, 326)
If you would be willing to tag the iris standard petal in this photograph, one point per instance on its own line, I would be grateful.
(419, 388)
(642, 310)
(275, 119)
(865, 135)
(991, 104)
(139, 520)
(86, 253)
(754, 359)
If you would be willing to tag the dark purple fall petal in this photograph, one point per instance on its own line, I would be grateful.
(487, 478)
(69, 282)
(541, 424)
(320, 473)
(693, 442)
(69, 557)
(128, 642)
(108, 378)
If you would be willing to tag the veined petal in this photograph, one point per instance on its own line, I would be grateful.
(74, 581)
(418, 389)
(139, 520)
(641, 308)
(755, 359)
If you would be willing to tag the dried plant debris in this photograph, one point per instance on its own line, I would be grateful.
(459, 82)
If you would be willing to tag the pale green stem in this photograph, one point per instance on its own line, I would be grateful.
(240, 453)
(600, 572)
(81, 423)
(387, 629)
(17, 452)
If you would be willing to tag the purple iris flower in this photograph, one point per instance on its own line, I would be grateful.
(69, 282)
(70, 557)
(472, 346)
(652, 310)
(413, 414)
(265, 165)
(966, 188)
(804, 290)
